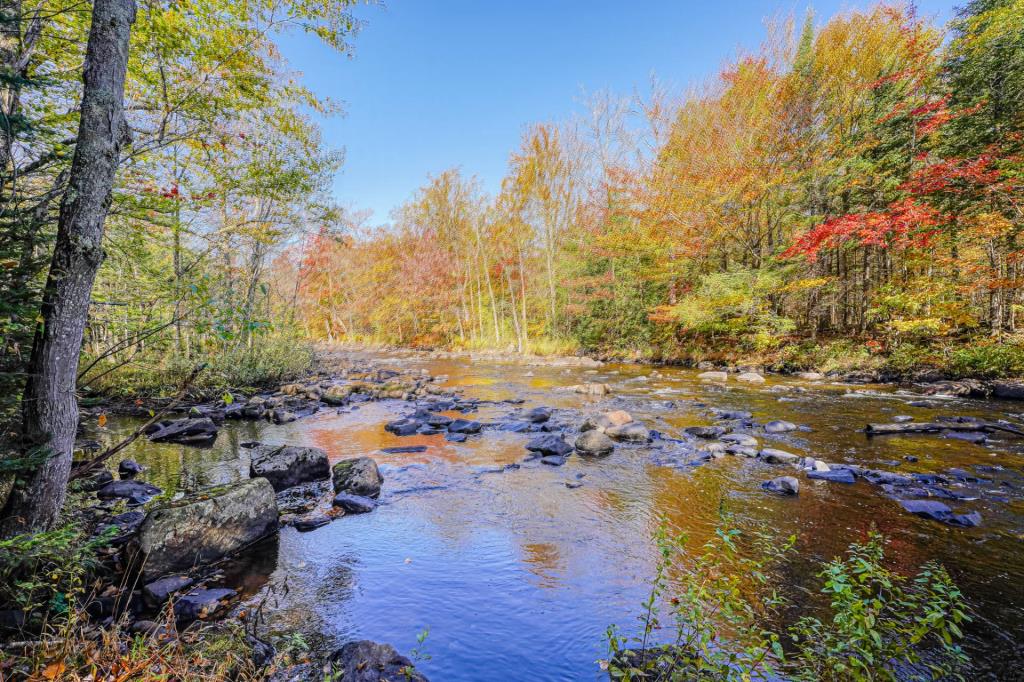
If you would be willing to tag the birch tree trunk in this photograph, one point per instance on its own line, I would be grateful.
(49, 408)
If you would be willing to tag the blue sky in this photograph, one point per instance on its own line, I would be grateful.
(432, 85)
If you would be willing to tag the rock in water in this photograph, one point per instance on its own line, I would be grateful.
(750, 378)
(709, 432)
(779, 426)
(466, 426)
(354, 504)
(633, 432)
(606, 420)
(189, 431)
(136, 492)
(937, 511)
(403, 427)
(713, 376)
(128, 469)
(367, 661)
(549, 444)
(594, 443)
(538, 415)
(205, 526)
(773, 456)
(357, 476)
(834, 475)
(286, 466)
(784, 485)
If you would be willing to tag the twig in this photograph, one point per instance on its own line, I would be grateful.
(87, 467)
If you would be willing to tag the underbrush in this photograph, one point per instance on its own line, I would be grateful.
(725, 604)
(272, 359)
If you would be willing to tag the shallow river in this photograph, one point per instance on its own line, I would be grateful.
(517, 576)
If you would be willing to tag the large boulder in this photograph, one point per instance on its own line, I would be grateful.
(594, 443)
(357, 476)
(205, 526)
(367, 661)
(286, 466)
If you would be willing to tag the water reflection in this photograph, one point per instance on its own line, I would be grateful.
(495, 563)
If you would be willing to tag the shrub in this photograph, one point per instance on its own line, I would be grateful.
(723, 606)
(988, 360)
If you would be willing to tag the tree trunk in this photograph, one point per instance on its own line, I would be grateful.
(49, 408)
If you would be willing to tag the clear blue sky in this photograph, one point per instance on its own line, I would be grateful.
(441, 83)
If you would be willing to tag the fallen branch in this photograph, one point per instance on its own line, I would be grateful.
(936, 427)
(91, 465)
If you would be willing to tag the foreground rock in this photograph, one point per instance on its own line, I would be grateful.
(633, 432)
(286, 466)
(594, 443)
(937, 511)
(367, 661)
(606, 420)
(549, 444)
(200, 431)
(357, 476)
(205, 527)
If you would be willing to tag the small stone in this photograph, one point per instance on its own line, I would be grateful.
(553, 460)
(713, 376)
(159, 591)
(538, 415)
(199, 604)
(833, 475)
(466, 426)
(354, 504)
(779, 426)
(311, 522)
(128, 469)
(784, 485)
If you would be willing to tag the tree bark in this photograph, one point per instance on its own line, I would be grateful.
(49, 407)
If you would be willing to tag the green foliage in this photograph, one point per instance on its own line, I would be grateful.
(880, 624)
(45, 573)
(987, 359)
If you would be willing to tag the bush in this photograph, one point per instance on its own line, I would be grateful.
(44, 574)
(987, 360)
(723, 606)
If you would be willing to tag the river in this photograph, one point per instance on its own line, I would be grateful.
(517, 576)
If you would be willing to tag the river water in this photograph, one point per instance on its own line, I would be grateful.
(517, 576)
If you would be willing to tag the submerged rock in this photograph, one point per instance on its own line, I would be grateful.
(286, 466)
(205, 526)
(784, 485)
(713, 376)
(553, 460)
(606, 420)
(590, 389)
(357, 476)
(594, 443)
(367, 661)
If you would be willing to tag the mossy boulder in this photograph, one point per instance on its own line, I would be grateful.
(204, 527)
(357, 476)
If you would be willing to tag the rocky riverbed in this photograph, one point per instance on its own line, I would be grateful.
(499, 503)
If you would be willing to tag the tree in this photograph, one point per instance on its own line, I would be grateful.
(50, 411)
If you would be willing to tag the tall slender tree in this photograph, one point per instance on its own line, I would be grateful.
(50, 411)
